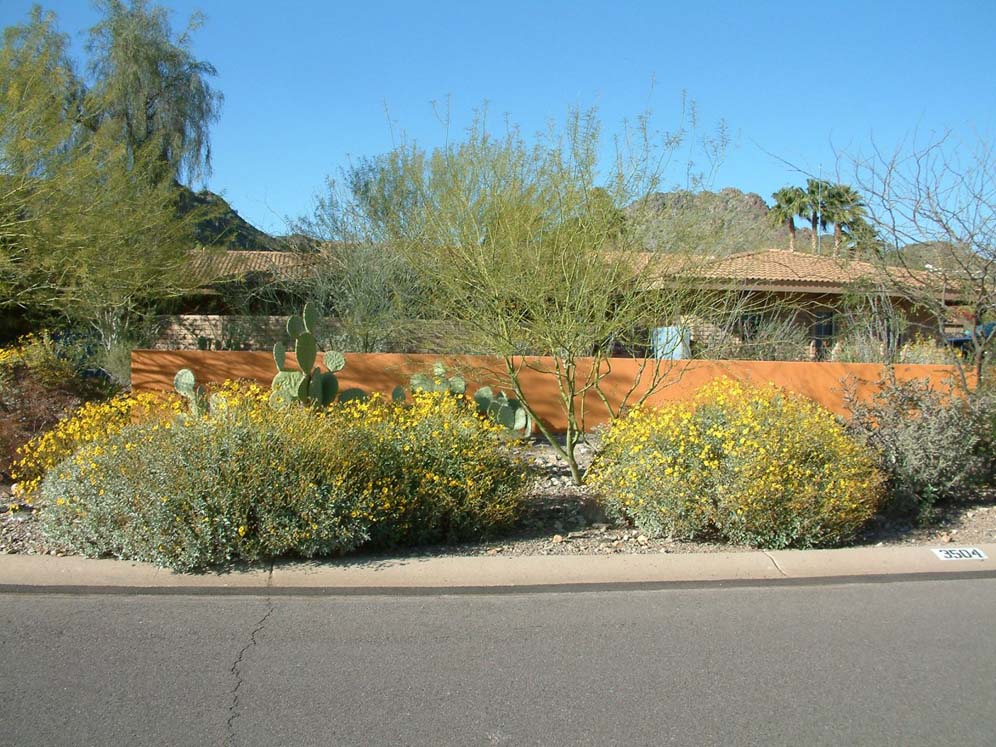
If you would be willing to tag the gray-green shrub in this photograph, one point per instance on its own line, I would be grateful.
(245, 481)
(197, 494)
(933, 445)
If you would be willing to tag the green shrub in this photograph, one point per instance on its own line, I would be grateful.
(431, 471)
(249, 482)
(933, 445)
(199, 494)
(753, 465)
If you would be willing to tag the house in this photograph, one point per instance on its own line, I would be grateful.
(816, 301)
(771, 303)
(235, 300)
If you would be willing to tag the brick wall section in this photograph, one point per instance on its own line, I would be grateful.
(232, 332)
(188, 331)
(381, 372)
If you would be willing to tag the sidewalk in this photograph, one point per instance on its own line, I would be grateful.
(487, 573)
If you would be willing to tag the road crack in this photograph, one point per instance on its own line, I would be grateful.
(771, 557)
(236, 670)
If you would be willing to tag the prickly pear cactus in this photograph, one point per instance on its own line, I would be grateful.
(310, 384)
(186, 386)
(438, 381)
(506, 411)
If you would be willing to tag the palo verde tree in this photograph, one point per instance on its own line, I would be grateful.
(523, 248)
(89, 228)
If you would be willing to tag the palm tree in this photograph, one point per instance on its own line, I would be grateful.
(815, 208)
(843, 207)
(789, 202)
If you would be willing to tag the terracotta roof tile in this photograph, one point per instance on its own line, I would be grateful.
(208, 266)
(783, 268)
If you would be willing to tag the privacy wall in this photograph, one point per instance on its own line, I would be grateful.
(153, 370)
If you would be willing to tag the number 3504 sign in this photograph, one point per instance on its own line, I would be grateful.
(961, 553)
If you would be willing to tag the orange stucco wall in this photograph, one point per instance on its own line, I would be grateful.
(153, 370)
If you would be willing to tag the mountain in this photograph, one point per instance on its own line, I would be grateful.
(713, 223)
(223, 226)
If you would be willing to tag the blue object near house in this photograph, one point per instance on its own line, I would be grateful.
(965, 343)
(671, 343)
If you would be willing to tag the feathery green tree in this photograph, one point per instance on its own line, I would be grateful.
(150, 88)
(89, 229)
(522, 247)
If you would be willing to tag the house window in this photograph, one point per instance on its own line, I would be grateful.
(822, 332)
(750, 324)
(822, 325)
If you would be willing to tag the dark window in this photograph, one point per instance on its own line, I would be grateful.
(749, 326)
(822, 332)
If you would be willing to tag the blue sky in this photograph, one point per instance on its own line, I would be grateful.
(308, 85)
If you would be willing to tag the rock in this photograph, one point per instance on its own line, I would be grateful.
(592, 511)
(642, 539)
(557, 539)
(600, 527)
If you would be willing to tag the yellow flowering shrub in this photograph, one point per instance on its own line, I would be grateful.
(753, 465)
(244, 481)
(9, 357)
(430, 471)
(50, 361)
(90, 423)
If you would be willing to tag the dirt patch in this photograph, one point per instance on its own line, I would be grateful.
(29, 405)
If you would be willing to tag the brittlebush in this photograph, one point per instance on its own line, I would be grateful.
(244, 481)
(752, 465)
(91, 423)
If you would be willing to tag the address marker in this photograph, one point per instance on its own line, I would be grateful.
(961, 553)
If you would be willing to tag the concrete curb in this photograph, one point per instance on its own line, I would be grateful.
(23, 573)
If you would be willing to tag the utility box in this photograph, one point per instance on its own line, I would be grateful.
(671, 343)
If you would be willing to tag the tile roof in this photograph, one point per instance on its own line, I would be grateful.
(781, 266)
(207, 266)
(784, 269)
(770, 269)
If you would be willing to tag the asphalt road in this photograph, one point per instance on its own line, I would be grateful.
(903, 663)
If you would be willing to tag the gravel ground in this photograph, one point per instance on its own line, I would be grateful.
(563, 519)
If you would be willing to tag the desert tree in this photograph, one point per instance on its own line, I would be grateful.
(377, 299)
(87, 230)
(522, 247)
(935, 199)
(150, 88)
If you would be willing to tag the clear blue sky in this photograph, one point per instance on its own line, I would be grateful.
(307, 85)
